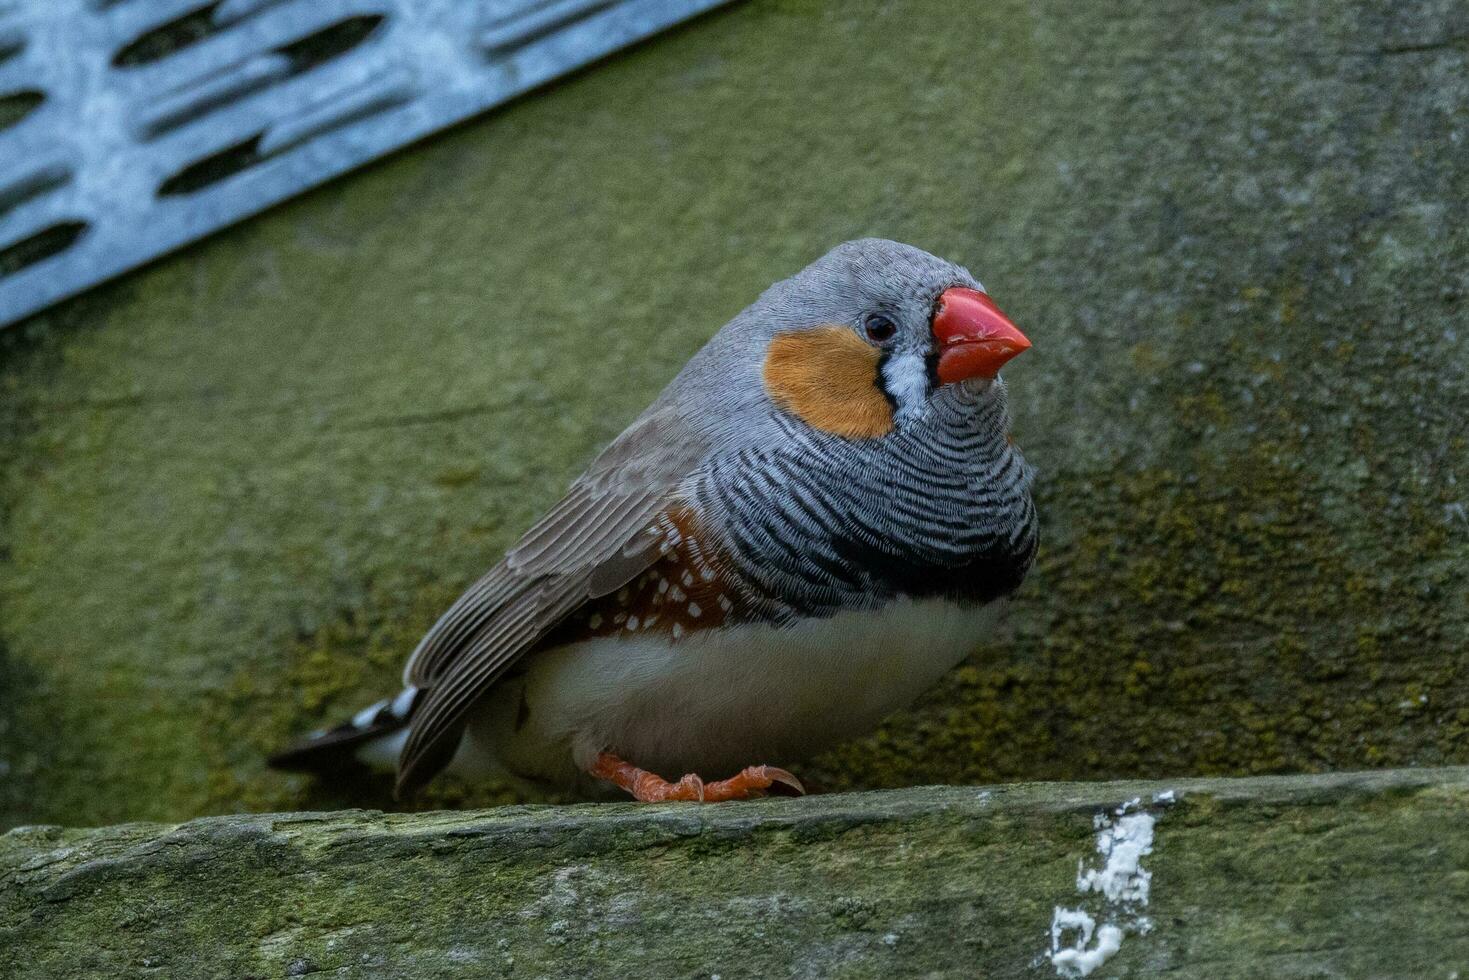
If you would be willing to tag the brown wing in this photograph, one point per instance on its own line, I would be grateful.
(599, 536)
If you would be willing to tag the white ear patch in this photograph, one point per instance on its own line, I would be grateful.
(905, 376)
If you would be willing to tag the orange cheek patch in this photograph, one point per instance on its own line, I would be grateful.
(827, 378)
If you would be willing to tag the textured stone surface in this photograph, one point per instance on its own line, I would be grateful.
(1310, 876)
(236, 487)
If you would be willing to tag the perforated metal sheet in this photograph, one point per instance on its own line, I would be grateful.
(146, 124)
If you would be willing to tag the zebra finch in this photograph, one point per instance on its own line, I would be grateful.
(815, 520)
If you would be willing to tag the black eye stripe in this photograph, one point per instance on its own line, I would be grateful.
(881, 381)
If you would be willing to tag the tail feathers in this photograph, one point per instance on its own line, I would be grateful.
(331, 749)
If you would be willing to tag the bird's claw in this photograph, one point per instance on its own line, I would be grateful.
(753, 781)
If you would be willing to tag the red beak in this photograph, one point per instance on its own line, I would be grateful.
(975, 338)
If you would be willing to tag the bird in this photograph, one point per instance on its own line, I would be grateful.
(819, 517)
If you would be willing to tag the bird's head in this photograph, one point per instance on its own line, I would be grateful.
(863, 339)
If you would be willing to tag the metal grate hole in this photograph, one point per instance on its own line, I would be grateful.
(17, 105)
(213, 169)
(163, 41)
(40, 246)
(330, 42)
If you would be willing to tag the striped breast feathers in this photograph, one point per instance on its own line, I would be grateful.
(828, 377)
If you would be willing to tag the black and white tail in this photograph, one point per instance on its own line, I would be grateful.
(373, 736)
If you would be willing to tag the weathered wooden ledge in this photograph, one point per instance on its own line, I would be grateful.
(1354, 875)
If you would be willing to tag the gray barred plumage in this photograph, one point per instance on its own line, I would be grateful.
(817, 523)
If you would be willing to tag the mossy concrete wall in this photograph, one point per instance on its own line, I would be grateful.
(237, 486)
(1279, 877)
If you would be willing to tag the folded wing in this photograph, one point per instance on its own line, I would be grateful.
(597, 538)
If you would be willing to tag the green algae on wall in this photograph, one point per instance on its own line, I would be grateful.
(1360, 875)
(235, 487)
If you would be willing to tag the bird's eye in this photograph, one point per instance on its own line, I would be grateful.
(880, 329)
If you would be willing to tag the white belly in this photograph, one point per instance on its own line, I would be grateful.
(716, 702)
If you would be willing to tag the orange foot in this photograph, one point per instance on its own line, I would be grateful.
(652, 788)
